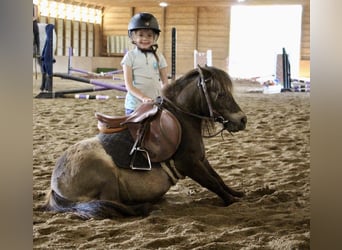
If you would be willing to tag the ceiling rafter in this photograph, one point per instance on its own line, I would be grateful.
(177, 3)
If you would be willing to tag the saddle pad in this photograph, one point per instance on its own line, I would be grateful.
(118, 146)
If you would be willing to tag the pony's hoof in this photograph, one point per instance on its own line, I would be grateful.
(143, 209)
(231, 201)
(239, 194)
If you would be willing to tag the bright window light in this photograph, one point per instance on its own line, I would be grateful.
(68, 11)
(77, 13)
(44, 8)
(84, 13)
(53, 9)
(258, 34)
(98, 16)
(61, 10)
(92, 15)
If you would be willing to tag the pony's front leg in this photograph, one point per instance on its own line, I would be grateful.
(215, 174)
(201, 172)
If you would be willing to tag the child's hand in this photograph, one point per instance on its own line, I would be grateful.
(147, 99)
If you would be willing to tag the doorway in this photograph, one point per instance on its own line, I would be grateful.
(258, 34)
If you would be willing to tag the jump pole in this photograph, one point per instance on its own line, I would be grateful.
(99, 86)
(51, 94)
(64, 93)
(70, 68)
(96, 74)
(105, 86)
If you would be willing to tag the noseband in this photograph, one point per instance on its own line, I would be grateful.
(213, 116)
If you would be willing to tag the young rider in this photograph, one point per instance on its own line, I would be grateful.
(145, 69)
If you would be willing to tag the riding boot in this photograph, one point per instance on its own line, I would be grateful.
(43, 84)
(48, 83)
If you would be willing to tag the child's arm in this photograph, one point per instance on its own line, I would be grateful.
(163, 76)
(128, 77)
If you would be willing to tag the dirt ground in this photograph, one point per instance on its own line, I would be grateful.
(270, 161)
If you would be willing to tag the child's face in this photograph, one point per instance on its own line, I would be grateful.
(144, 38)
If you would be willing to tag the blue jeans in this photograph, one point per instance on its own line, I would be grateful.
(128, 111)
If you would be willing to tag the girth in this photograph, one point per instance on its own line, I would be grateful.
(155, 130)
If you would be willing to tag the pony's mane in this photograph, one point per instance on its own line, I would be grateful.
(221, 82)
(177, 85)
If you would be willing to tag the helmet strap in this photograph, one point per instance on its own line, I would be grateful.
(152, 49)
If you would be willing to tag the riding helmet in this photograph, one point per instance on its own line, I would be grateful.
(143, 20)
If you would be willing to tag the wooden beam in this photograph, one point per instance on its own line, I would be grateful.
(182, 3)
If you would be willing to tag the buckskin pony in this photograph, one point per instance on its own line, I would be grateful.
(94, 178)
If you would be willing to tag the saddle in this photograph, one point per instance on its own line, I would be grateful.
(156, 131)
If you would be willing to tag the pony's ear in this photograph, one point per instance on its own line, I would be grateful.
(200, 68)
(205, 66)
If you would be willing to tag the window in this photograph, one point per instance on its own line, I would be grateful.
(258, 34)
(69, 11)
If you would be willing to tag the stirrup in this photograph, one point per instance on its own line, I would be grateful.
(134, 152)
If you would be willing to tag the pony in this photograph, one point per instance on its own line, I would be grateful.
(88, 182)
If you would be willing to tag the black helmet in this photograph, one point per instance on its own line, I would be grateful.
(143, 21)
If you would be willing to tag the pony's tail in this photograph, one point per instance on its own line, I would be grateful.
(97, 209)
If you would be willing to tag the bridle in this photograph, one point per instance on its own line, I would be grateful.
(213, 115)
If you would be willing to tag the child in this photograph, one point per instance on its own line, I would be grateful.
(145, 70)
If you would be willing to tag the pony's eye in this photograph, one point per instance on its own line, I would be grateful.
(221, 95)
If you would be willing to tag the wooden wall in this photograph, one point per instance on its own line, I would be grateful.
(213, 33)
(197, 27)
(305, 46)
(184, 20)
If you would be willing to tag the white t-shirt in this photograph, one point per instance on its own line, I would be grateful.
(146, 76)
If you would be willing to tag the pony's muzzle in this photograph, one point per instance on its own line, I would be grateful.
(236, 122)
(243, 122)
